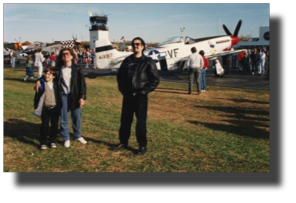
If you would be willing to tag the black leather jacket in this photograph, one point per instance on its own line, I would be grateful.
(77, 86)
(144, 80)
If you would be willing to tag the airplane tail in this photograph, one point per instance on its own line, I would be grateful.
(107, 57)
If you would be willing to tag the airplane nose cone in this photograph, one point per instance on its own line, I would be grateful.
(234, 40)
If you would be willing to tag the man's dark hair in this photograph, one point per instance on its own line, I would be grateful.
(142, 42)
(193, 50)
(60, 61)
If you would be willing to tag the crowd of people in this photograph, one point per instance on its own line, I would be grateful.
(255, 61)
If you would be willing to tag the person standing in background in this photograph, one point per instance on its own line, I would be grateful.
(203, 71)
(38, 62)
(195, 64)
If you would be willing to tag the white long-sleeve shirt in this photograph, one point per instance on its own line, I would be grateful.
(195, 61)
(38, 59)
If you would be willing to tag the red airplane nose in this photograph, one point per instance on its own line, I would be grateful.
(234, 40)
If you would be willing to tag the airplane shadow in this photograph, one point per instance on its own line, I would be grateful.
(242, 125)
(245, 101)
(170, 91)
(21, 80)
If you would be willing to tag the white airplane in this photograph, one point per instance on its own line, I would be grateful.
(172, 53)
(19, 55)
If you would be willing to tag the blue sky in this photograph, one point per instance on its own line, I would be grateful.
(152, 22)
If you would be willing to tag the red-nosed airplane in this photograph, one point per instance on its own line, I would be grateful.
(172, 53)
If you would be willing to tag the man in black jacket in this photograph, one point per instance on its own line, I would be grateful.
(136, 77)
(72, 93)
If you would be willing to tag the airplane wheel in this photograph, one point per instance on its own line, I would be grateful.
(217, 74)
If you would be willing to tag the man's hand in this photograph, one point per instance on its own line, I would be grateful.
(81, 103)
(36, 88)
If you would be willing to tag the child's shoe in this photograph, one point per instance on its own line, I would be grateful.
(53, 145)
(43, 146)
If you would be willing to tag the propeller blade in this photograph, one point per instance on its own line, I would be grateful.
(226, 30)
(237, 28)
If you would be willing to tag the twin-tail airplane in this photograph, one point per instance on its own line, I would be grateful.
(172, 53)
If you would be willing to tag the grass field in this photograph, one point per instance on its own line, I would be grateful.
(222, 130)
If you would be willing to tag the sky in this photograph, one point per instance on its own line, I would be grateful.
(153, 22)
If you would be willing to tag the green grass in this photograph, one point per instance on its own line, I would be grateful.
(222, 130)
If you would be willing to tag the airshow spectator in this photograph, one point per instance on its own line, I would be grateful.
(29, 69)
(39, 62)
(255, 60)
(136, 77)
(262, 57)
(203, 71)
(234, 59)
(195, 64)
(12, 58)
(46, 106)
(52, 59)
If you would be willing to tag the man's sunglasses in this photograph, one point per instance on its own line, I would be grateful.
(66, 53)
(136, 44)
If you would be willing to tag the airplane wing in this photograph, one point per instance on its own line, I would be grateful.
(217, 54)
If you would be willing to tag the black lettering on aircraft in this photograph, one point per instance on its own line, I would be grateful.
(105, 56)
(175, 52)
(222, 41)
(170, 53)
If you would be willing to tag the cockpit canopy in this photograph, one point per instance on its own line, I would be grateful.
(171, 40)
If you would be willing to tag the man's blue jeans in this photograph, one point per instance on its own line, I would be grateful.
(76, 119)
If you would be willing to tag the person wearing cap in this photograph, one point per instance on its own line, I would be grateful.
(136, 78)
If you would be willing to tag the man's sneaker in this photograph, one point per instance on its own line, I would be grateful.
(67, 143)
(82, 140)
(53, 145)
(43, 146)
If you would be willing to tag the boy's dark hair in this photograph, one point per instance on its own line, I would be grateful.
(51, 69)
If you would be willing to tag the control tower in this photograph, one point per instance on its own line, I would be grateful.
(98, 29)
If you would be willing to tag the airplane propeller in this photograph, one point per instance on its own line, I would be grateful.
(235, 31)
(237, 28)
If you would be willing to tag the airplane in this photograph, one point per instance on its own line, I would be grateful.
(15, 46)
(172, 54)
(47, 48)
(19, 55)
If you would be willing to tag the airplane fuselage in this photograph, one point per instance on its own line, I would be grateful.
(173, 53)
